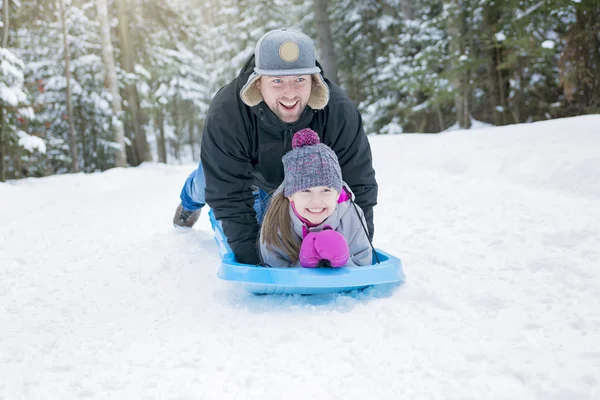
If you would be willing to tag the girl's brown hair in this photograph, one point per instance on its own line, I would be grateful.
(276, 228)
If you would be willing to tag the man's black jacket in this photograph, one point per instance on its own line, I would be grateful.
(243, 146)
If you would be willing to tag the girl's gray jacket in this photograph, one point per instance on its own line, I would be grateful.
(344, 220)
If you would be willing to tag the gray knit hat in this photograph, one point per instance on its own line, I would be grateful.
(285, 52)
(310, 163)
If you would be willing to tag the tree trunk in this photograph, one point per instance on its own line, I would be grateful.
(160, 136)
(175, 115)
(422, 123)
(111, 83)
(140, 142)
(491, 15)
(324, 41)
(519, 102)
(456, 27)
(100, 157)
(407, 9)
(494, 90)
(191, 135)
(440, 116)
(20, 171)
(85, 150)
(2, 144)
(6, 22)
(501, 83)
(73, 140)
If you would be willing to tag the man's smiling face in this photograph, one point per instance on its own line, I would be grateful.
(286, 96)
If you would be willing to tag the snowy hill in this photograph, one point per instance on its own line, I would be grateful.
(498, 229)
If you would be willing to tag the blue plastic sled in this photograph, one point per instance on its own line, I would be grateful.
(264, 280)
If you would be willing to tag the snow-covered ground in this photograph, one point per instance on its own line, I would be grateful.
(498, 229)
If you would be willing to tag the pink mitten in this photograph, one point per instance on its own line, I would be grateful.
(333, 247)
(309, 258)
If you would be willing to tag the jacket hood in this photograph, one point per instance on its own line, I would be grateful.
(245, 72)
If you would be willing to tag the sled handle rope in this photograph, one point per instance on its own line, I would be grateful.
(364, 228)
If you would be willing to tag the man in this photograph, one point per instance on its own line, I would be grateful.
(249, 127)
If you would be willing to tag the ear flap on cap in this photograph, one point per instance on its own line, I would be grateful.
(319, 95)
(250, 93)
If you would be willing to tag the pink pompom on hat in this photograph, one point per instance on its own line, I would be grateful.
(305, 137)
(309, 164)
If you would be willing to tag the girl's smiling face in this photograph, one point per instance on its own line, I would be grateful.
(315, 204)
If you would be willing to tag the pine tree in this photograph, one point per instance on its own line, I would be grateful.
(14, 113)
(111, 82)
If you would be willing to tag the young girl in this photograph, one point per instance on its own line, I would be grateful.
(312, 219)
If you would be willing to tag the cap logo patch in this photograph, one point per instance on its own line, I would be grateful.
(289, 51)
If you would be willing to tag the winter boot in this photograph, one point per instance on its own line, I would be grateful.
(185, 218)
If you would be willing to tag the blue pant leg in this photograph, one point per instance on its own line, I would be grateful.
(261, 203)
(192, 194)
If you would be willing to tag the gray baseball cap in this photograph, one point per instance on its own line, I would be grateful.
(285, 52)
